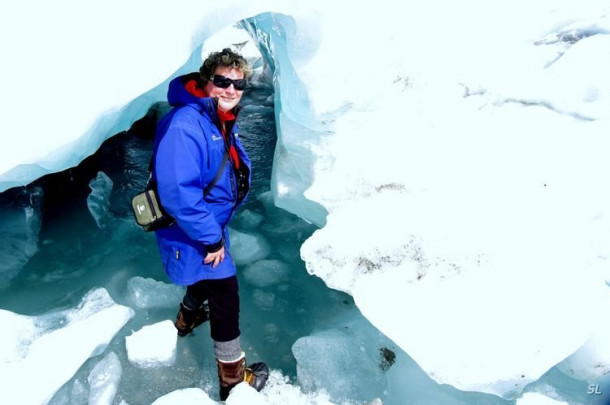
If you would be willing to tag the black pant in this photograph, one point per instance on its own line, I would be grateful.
(223, 299)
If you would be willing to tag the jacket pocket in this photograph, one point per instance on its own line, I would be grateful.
(184, 262)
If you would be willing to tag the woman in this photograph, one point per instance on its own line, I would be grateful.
(203, 174)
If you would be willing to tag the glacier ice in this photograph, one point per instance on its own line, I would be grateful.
(50, 348)
(149, 293)
(247, 247)
(251, 219)
(75, 393)
(266, 272)
(443, 289)
(104, 380)
(153, 345)
(339, 361)
(264, 300)
(298, 128)
(21, 220)
(98, 200)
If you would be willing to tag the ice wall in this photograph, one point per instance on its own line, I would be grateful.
(300, 131)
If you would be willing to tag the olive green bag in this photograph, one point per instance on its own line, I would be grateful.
(149, 212)
(147, 209)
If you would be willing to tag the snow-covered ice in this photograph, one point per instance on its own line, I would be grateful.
(153, 345)
(50, 348)
(187, 396)
(591, 361)
(532, 398)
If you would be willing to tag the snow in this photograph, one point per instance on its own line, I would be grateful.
(278, 391)
(455, 155)
(185, 396)
(532, 398)
(591, 361)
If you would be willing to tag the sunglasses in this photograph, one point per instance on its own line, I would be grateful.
(225, 82)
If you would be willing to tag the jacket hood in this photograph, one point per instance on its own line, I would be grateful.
(177, 93)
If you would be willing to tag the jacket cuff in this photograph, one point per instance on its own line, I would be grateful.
(215, 247)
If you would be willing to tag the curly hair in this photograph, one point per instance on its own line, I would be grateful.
(226, 57)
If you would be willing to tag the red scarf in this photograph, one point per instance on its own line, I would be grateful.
(223, 117)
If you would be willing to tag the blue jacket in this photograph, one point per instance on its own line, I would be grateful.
(189, 148)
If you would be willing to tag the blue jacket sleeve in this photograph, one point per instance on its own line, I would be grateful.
(181, 157)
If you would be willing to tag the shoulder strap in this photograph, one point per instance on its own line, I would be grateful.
(209, 187)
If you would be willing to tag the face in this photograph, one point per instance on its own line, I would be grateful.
(229, 97)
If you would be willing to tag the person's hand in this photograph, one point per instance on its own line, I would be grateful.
(215, 257)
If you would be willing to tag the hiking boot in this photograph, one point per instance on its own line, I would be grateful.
(256, 375)
(188, 319)
(232, 373)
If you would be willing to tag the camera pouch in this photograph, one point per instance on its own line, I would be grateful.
(148, 212)
(147, 209)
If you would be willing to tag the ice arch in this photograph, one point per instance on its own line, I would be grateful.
(93, 75)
